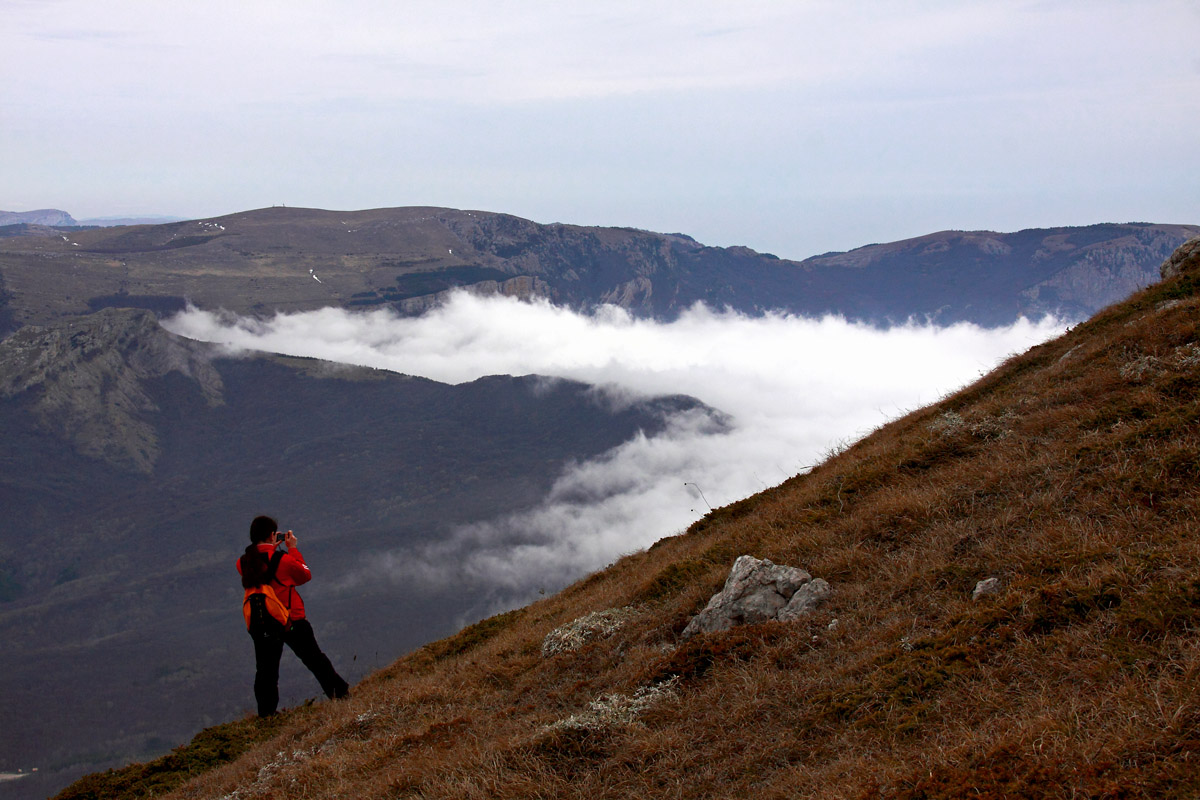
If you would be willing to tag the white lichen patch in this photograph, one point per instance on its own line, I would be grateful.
(986, 428)
(1187, 357)
(1138, 369)
(575, 634)
(947, 424)
(616, 710)
(267, 773)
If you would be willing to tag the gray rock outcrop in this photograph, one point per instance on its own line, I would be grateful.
(1184, 259)
(757, 591)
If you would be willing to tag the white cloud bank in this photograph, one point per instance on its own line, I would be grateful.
(793, 388)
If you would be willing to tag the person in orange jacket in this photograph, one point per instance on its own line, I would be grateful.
(269, 638)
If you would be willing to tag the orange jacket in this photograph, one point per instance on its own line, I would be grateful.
(292, 572)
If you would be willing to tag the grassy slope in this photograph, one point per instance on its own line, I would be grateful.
(1071, 472)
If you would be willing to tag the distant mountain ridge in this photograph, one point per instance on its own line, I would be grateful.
(129, 219)
(54, 217)
(259, 262)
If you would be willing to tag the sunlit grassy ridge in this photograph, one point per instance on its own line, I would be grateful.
(1071, 473)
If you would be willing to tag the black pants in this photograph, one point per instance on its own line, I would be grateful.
(268, 648)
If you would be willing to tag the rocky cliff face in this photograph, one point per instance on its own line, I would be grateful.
(84, 380)
(44, 216)
(1100, 274)
(522, 287)
(992, 278)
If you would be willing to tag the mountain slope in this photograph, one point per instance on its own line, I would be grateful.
(291, 259)
(1070, 473)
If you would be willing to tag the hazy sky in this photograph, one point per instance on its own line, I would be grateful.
(791, 127)
(792, 389)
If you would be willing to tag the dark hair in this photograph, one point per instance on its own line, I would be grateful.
(262, 528)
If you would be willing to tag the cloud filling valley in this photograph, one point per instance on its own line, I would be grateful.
(789, 389)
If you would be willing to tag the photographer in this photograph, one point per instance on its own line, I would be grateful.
(282, 571)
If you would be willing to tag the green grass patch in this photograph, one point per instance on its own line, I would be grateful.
(210, 748)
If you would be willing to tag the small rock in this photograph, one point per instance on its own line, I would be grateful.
(987, 586)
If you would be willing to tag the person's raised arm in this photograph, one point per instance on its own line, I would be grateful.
(293, 566)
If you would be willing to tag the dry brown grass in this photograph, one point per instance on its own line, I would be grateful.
(1071, 473)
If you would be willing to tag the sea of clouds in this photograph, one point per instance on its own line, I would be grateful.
(791, 389)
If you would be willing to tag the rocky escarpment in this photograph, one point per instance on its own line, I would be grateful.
(43, 216)
(85, 380)
(992, 278)
(523, 287)
(1099, 274)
